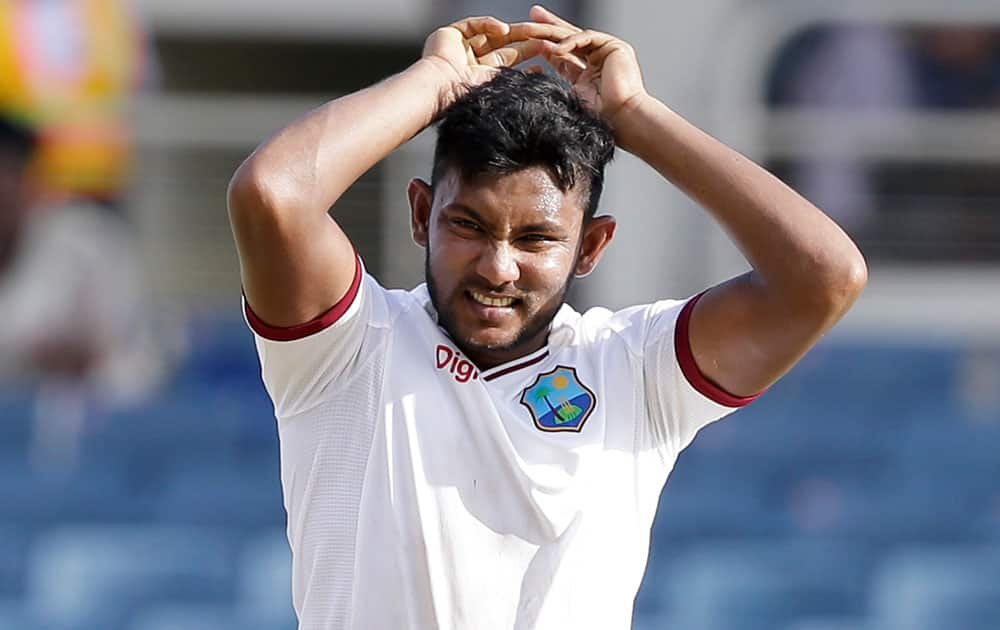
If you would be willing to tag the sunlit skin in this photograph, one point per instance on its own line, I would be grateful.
(515, 237)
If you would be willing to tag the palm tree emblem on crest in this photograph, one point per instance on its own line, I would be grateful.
(558, 401)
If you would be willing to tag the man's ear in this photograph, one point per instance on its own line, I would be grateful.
(421, 197)
(597, 235)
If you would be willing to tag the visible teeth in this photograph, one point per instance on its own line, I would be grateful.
(488, 301)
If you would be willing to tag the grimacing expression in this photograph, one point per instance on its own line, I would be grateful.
(500, 254)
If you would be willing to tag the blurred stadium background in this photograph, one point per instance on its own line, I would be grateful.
(861, 493)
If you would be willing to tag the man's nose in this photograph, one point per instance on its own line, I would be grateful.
(498, 264)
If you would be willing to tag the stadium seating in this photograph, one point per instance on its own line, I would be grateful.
(103, 574)
(708, 501)
(765, 584)
(830, 623)
(194, 617)
(245, 497)
(938, 588)
(14, 615)
(16, 411)
(189, 617)
(37, 496)
(12, 552)
(265, 577)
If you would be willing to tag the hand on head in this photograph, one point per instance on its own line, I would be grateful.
(471, 50)
(602, 68)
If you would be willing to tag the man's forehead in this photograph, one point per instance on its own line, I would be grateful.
(530, 190)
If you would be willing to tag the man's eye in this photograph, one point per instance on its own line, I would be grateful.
(537, 238)
(465, 225)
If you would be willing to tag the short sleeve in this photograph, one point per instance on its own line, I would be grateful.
(299, 364)
(679, 399)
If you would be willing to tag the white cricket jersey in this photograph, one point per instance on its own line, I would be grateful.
(424, 494)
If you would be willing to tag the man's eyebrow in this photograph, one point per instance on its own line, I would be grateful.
(467, 210)
(544, 226)
(547, 226)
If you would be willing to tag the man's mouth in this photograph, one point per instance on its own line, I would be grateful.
(492, 300)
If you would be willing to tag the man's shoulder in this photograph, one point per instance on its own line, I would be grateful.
(583, 329)
(599, 316)
(395, 302)
(631, 324)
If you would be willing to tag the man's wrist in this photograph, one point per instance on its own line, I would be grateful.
(441, 77)
(627, 123)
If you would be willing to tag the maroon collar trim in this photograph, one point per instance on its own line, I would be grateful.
(517, 366)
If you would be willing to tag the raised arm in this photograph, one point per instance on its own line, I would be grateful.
(750, 330)
(295, 261)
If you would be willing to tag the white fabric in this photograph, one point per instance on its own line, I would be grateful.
(418, 501)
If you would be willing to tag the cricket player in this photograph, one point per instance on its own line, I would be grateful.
(475, 454)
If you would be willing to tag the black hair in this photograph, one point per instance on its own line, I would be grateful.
(16, 138)
(521, 119)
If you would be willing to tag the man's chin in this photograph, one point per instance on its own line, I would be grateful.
(491, 341)
(487, 344)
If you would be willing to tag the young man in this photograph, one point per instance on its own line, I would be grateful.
(474, 453)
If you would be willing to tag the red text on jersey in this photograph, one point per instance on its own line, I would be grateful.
(452, 361)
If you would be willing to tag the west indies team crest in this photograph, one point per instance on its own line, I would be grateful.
(558, 401)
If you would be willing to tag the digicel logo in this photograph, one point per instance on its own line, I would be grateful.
(452, 361)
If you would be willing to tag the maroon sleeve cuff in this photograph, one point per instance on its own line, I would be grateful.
(693, 374)
(324, 321)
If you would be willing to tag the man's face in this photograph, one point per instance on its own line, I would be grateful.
(500, 255)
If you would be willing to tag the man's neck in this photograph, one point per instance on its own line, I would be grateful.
(485, 358)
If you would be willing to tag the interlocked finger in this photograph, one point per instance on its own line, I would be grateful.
(479, 44)
(535, 30)
(487, 25)
(484, 42)
(512, 54)
(598, 56)
(583, 42)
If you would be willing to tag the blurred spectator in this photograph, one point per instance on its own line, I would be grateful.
(69, 275)
(957, 67)
(862, 68)
(856, 67)
(70, 298)
(875, 66)
(70, 68)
